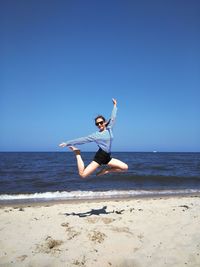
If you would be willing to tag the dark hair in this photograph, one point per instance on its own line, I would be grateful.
(102, 117)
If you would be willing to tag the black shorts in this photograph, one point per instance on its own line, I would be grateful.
(102, 157)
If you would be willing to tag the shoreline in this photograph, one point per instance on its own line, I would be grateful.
(40, 203)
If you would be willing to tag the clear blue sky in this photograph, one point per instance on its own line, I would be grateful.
(61, 62)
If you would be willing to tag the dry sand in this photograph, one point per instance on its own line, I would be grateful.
(152, 232)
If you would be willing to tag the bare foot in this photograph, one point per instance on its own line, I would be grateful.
(102, 172)
(75, 150)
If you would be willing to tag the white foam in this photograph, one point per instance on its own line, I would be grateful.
(89, 194)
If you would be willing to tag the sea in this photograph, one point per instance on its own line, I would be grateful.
(53, 176)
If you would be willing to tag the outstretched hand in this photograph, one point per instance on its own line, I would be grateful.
(62, 145)
(114, 101)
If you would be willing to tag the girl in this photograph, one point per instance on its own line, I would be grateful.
(103, 139)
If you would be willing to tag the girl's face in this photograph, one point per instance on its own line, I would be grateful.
(101, 124)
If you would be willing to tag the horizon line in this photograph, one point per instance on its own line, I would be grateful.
(90, 151)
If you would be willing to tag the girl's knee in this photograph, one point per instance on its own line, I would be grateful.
(82, 175)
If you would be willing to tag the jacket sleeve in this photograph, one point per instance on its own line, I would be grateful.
(82, 140)
(113, 117)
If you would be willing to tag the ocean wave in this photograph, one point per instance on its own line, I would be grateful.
(48, 196)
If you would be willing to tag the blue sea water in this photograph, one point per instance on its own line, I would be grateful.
(53, 176)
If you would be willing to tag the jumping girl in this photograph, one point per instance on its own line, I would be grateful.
(103, 138)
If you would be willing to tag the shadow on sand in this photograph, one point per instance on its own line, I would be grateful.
(93, 212)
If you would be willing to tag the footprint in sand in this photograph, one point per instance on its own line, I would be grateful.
(96, 236)
(71, 233)
(22, 257)
(81, 262)
(140, 236)
(104, 220)
(50, 245)
(122, 230)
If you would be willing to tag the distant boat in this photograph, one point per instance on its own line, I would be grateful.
(154, 151)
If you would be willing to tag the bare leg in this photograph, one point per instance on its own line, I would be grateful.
(84, 172)
(114, 165)
(80, 162)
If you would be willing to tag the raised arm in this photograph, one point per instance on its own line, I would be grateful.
(114, 102)
(113, 114)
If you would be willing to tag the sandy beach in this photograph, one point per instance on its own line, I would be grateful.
(135, 232)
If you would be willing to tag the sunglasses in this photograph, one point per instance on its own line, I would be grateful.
(99, 123)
